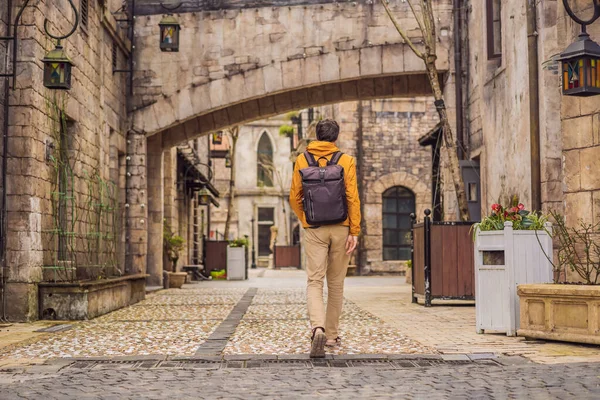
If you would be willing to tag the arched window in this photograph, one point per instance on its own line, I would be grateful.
(398, 204)
(265, 165)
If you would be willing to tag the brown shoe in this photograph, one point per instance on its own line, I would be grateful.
(318, 340)
(333, 342)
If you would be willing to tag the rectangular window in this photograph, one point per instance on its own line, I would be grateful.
(473, 192)
(266, 219)
(494, 29)
(266, 214)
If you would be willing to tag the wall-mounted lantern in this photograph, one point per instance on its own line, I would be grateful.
(57, 66)
(169, 33)
(204, 197)
(580, 61)
(217, 138)
(57, 69)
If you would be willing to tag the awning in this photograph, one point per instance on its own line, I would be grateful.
(431, 138)
(195, 177)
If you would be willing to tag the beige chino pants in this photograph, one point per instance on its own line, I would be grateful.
(325, 250)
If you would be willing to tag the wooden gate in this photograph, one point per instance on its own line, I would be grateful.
(287, 256)
(443, 261)
(215, 255)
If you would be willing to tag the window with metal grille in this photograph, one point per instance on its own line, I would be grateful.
(398, 204)
(494, 29)
(83, 10)
(115, 56)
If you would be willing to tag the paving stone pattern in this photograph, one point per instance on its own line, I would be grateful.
(170, 322)
(277, 323)
(442, 381)
(217, 341)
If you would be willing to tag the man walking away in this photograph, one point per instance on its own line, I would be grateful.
(324, 196)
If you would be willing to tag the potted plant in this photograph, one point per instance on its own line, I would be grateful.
(236, 259)
(173, 245)
(566, 311)
(510, 248)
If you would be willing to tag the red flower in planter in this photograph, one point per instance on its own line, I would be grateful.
(521, 207)
(496, 207)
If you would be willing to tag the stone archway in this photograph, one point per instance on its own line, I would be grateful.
(236, 65)
(373, 212)
(271, 62)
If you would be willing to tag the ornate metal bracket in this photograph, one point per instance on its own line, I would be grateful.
(584, 23)
(72, 31)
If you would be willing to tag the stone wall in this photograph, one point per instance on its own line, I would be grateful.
(497, 105)
(388, 133)
(95, 116)
(580, 124)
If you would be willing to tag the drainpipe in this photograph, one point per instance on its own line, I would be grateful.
(361, 254)
(534, 106)
(3, 224)
(458, 81)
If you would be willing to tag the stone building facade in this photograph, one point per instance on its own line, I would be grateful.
(67, 155)
(383, 136)
(499, 112)
(262, 183)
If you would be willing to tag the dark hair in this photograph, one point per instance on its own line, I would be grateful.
(328, 130)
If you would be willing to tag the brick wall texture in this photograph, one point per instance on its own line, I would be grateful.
(94, 118)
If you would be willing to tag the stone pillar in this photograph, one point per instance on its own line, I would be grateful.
(154, 166)
(136, 214)
(170, 215)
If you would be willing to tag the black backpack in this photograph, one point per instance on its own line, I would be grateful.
(324, 191)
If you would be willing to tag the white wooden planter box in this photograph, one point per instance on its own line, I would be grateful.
(236, 263)
(503, 260)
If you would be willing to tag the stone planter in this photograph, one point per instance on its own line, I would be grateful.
(177, 279)
(568, 313)
(503, 260)
(89, 299)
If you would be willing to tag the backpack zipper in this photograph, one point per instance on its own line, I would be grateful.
(312, 210)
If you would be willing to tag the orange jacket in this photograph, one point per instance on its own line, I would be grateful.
(326, 149)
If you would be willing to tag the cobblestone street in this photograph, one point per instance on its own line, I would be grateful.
(211, 339)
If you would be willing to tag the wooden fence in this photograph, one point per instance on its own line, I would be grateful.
(215, 255)
(287, 256)
(443, 261)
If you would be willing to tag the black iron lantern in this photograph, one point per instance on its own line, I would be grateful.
(169, 33)
(217, 138)
(580, 62)
(57, 69)
(581, 67)
(228, 160)
(204, 197)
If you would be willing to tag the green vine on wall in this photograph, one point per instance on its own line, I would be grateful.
(81, 239)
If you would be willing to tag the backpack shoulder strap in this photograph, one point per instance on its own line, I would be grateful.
(335, 158)
(310, 159)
